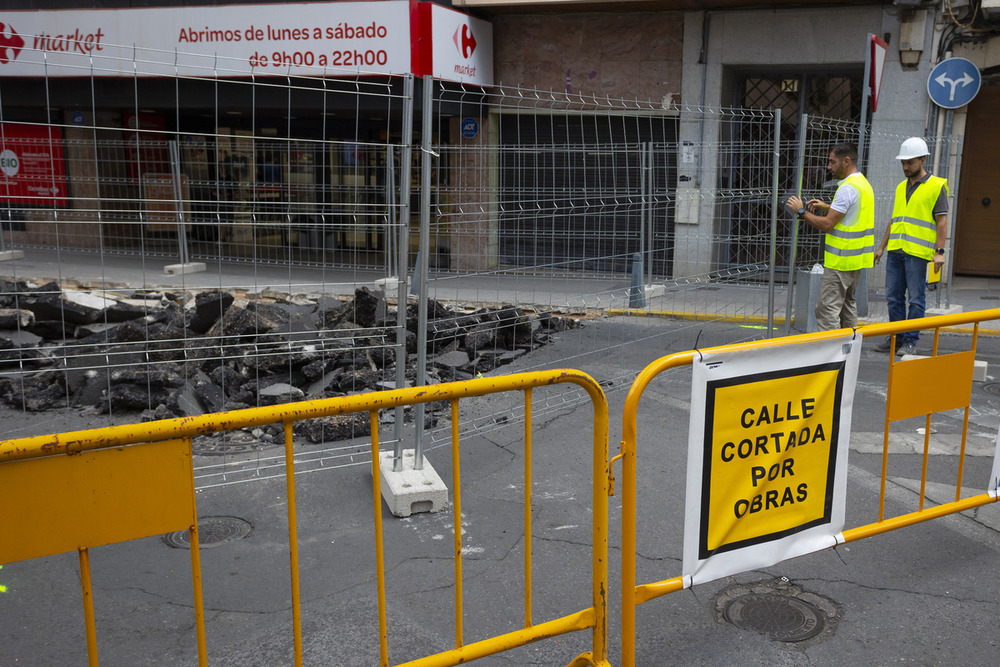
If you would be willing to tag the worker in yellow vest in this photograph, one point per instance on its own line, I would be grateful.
(849, 227)
(915, 236)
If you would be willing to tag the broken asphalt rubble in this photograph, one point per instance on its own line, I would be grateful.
(168, 355)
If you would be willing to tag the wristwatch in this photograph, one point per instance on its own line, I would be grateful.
(940, 251)
(802, 211)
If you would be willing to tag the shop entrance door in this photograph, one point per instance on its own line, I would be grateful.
(977, 230)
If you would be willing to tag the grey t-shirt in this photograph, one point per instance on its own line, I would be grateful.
(940, 206)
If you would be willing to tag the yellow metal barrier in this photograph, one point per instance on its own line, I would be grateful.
(907, 396)
(66, 486)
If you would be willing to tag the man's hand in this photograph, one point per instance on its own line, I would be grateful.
(938, 263)
(794, 203)
(818, 206)
(878, 254)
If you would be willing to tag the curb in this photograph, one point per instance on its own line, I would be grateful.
(757, 319)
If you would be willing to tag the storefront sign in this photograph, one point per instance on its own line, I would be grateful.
(32, 170)
(302, 39)
(460, 46)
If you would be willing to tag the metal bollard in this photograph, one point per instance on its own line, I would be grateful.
(637, 290)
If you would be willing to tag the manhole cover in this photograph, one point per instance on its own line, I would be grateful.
(212, 532)
(992, 388)
(780, 617)
(778, 609)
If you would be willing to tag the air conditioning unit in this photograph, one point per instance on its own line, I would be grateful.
(991, 8)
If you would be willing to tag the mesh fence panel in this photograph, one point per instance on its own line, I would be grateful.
(295, 192)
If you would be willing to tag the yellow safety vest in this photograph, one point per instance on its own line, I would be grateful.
(913, 229)
(850, 245)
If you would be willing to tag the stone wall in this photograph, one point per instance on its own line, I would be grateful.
(620, 55)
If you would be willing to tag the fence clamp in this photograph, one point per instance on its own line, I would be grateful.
(611, 471)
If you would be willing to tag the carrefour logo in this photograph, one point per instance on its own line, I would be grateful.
(466, 42)
(9, 163)
(11, 43)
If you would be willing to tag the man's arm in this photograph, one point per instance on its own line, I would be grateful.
(942, 239)
(824, 223)
(884, 244)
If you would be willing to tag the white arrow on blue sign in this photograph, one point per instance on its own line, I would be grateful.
(953, 83)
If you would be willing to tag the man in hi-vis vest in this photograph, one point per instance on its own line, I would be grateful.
(915, 236)
(849, 227)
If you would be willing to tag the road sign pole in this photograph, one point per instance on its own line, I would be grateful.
(865, 97)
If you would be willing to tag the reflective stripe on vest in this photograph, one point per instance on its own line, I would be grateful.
(850, 245)
(913, 228)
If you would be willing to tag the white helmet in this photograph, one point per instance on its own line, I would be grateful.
(911, 148)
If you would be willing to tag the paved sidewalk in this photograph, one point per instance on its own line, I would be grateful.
(701, 300)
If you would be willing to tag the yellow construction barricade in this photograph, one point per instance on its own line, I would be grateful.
(764, 467)
(78, 490)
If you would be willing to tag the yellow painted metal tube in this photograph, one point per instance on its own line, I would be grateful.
(293, 542)
(646, 592)
(599, 502)
(587, 660)
(188, 427)
(527, 508)
(629, 593)
(629, 494)
(965, 428)
(456, 474)
(383, 624)
(112, 436)
(88, 608)
(199, 600)
(953, 326)
(560, 626)
(913, 518)
(632, 595)
(936, 322)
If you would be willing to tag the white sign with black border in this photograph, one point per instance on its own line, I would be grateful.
(767, 454)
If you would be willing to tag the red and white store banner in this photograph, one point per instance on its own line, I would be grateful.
(300, 39)
(32, 170)
(460, 47)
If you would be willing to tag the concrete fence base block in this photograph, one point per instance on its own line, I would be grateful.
(181, 269)
(653, 291)
(8, 255)
(387, 284)
(411, 491)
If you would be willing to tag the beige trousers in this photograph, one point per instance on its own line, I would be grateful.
(836, 308)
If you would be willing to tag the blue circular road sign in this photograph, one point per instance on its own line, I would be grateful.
(470, 127)
(953, 83)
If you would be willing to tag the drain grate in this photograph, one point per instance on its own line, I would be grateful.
(780, 617)
(778, 609)
(213, 531)
(990, 297)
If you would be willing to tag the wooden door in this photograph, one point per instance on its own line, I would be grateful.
(977, 222)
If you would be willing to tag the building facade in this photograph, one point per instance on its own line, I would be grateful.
(687, 58)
